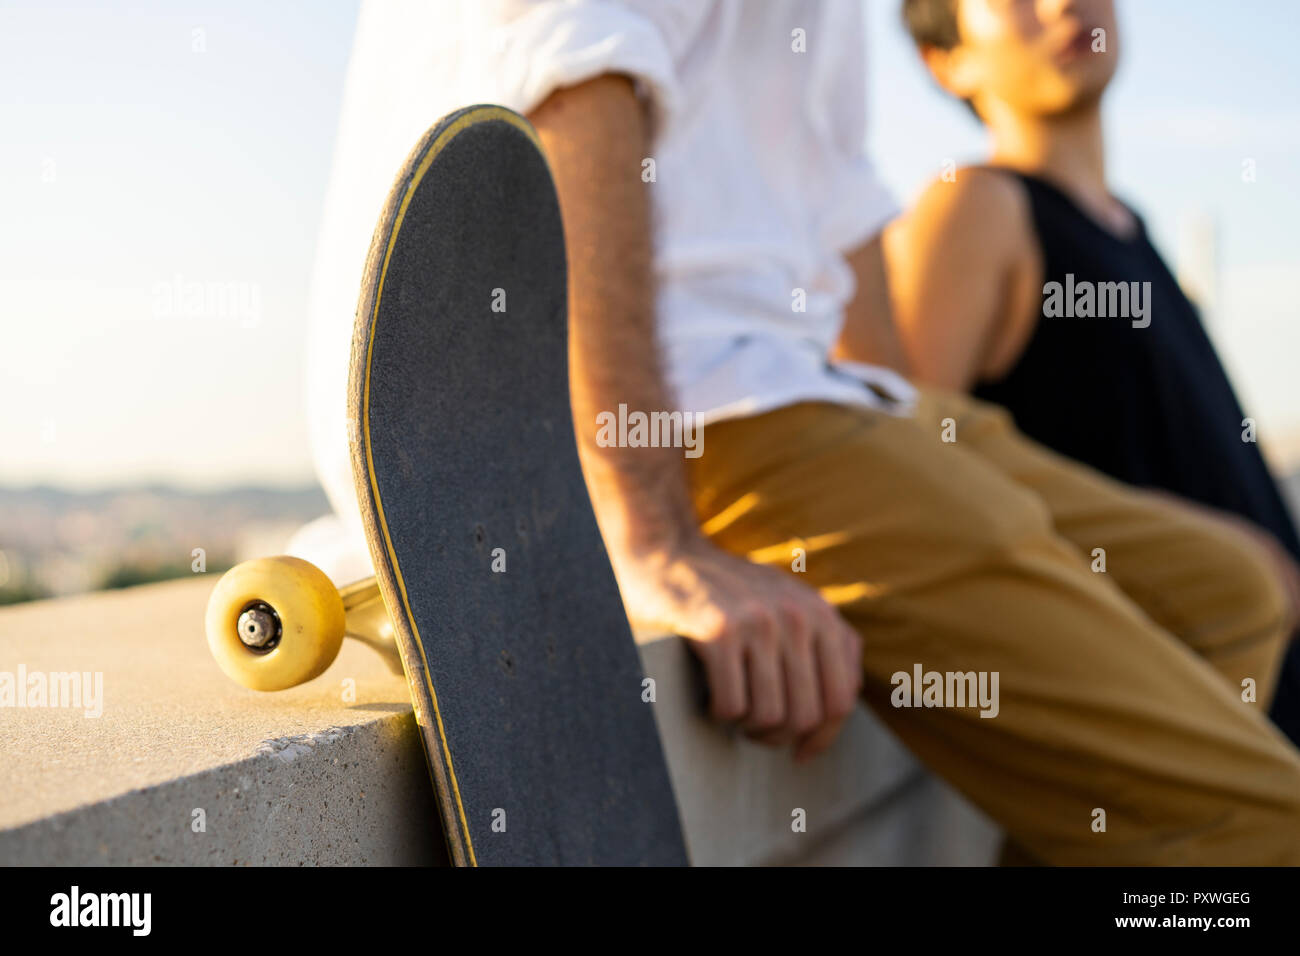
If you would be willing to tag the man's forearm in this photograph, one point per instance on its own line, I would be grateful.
(595, 137)
(743, 619)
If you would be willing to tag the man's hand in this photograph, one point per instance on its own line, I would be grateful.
(777, 656)
(779, 659)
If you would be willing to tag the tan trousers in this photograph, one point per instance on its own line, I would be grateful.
(1123, 734)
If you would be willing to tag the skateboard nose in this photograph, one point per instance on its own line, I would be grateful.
(259, 627)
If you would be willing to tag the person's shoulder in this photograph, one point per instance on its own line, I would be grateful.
(977, 200)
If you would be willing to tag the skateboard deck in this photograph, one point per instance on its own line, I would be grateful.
(526, 681)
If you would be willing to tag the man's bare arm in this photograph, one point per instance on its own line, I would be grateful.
(777, 656)
(594, 137)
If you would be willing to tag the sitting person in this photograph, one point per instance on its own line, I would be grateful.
(722, 226)
(1026, 282)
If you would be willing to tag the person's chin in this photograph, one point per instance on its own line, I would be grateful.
(1075, 93)
(1087, 75)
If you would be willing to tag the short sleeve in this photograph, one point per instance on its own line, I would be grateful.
(860, 208)
(855, 204)
(524, 51)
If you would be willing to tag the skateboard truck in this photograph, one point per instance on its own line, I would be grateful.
(274, 623)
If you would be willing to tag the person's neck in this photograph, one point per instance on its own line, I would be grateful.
(1068, 151)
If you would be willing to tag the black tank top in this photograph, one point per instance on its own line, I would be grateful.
(1151, 406)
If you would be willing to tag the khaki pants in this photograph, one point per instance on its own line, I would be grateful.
(1120, 691)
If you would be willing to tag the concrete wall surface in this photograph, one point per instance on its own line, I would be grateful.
(182, 766)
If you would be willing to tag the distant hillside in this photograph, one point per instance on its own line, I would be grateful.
(54, 541)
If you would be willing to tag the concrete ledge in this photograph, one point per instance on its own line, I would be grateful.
(301, 776)
(866, 801)
(309, 776)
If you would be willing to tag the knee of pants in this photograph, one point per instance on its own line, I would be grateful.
(1249, 585)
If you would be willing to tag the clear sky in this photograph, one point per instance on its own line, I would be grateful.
(156, 148)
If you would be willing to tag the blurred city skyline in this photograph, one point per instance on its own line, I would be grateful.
(163, 166)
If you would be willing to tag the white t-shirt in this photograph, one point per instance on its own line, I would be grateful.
(761, 182)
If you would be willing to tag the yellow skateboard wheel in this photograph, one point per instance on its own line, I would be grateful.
(274, 623)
